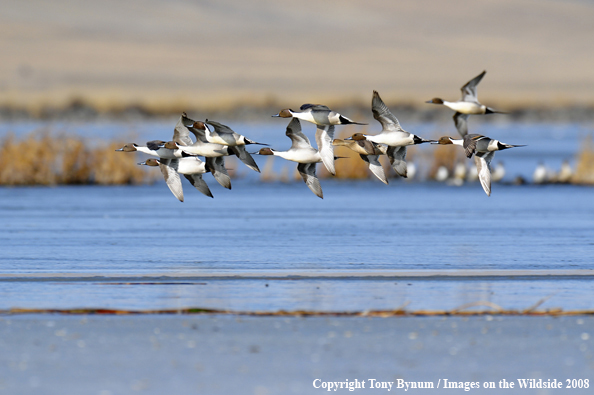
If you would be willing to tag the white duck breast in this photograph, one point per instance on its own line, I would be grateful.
(154, 150)
(192, 168)
(318, 114)
(467, 105)
(301, 150)
(223, 135)
(303, 153)
(203, 148)
(189, 165)
(392, 135)
(209, 150)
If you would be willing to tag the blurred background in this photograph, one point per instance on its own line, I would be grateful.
(167, 55)
(114, 72)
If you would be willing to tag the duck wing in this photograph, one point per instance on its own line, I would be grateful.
(168, 168)
(298, 139)
(181, 134)
(469, 89)
(217, 167)
(314, 107)
(397, 156)
(220, 128)
(375, 166)
(308, 173)
(324, 137)
(244, 156)
(382, 114)
(460, 120)
(482, 160)
(469, 143)
(198, 182)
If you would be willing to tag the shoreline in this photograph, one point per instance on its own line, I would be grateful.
(82, 110)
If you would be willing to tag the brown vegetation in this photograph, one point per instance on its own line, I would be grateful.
(44, 159)
(584, 171)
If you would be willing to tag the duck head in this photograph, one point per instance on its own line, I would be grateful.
(435, 100)
(286, 113)
(170, 145)
(444, 141)
(358, 137)
(150, 162)
(128, 148)
(265, 151)
(199, 125)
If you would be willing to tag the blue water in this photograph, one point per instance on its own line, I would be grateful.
(61, 243)
(276, 246)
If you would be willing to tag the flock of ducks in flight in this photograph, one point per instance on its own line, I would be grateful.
(214, 141)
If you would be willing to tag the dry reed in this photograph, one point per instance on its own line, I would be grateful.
(446, 156)
(584, 171)
(43, 159)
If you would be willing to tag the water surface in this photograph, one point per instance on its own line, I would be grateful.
(270, 246)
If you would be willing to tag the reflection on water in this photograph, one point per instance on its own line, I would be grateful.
(359, 226)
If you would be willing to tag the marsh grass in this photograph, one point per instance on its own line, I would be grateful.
(41, 158)
(584, 170)
(350, 166)
(446, 156)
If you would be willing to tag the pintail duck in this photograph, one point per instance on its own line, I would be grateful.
(205, 148)
(181, 135)
(318, 114)
(154, 148)
(191, 167)
(303, 153)
(224, 135)
(467, 105)
(392, 135)
(369, 152)
(325, 119)
(483, 149)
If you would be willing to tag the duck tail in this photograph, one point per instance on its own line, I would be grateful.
(419, 140)
(494, 111)
(345, 121)
(248, 141)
